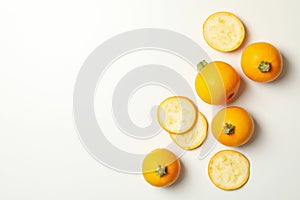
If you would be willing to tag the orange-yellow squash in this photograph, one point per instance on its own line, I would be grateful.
(232, 126)
(216, 83)
(161, 168)
(261, 62)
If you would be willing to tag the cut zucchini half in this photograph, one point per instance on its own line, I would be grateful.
(229, 170)
(177, 114)
(193, 138)
(223, 31)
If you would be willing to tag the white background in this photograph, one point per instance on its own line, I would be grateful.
(42, 47)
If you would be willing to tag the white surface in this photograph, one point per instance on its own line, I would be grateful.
(42, 47)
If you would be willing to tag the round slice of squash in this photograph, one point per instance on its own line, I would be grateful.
(229, 170)
(193, 138)
(223, 31)
(177, 114)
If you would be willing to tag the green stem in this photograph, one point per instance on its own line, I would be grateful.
(201, 64)
(228, 128)
(161, 170)
(264, 66)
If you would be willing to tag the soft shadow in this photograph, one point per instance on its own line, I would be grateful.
(256, 135)
(242, 89)
(285, 70)
(245, 41)
(180, 178)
